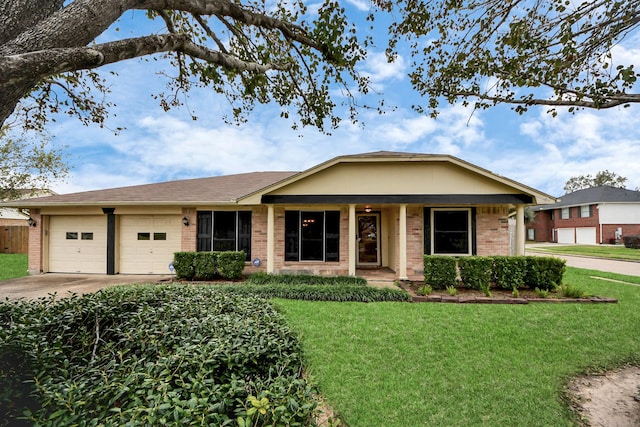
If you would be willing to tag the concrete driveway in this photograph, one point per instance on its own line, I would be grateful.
(62, 285)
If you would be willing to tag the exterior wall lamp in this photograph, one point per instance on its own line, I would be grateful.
(185, 221)
(32, 222)
(367, 209)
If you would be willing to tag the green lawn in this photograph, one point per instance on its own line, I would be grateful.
(13, 265)
(613, 252)
(399, 364)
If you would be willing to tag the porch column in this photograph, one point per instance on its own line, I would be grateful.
(520, 230)
(271, 241)
(402, 243)
(352, 240)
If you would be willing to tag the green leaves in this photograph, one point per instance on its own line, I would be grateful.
(161, 355)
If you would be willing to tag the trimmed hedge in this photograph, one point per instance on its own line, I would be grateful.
(209, 265)
(261, 278)
(632, 242)
(315, 292)
(509, 271)
(477, 272)
(151, 355)
(544, 272)
(440, 271)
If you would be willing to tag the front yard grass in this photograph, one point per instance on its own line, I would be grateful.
(13, 265)
(398, 364)
(600, 251)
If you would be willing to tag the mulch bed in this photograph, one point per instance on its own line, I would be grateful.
(498, 296)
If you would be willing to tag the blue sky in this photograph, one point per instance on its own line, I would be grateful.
(534, 149)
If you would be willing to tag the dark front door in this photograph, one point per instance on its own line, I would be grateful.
(368, 239)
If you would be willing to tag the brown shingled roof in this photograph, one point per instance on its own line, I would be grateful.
(217, 189)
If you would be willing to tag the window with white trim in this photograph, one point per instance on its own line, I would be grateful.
(565, 213)
(451, 231)
(585, 211)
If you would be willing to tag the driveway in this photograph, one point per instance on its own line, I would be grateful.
(629, 268)
(33, 287)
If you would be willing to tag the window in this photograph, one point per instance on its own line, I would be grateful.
(312, 235)
(144, 236)
(585, 211)
(72, 235)
(565, 213)
(224, 231)
(159, 236)
(86, 236)
(531, 234)
(449, 231)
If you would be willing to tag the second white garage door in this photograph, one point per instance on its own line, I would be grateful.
(147, 243)
(586, 235)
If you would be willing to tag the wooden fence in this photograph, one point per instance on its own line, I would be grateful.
(14, 239)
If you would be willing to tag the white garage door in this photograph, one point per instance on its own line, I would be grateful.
(586, 235)
(566, 235)
(78, 244)
(147, 243)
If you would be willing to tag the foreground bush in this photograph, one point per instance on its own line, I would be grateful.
(163, 355)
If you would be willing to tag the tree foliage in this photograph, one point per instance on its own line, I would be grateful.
(252, 52)
(519, 52)
(28, 164)
(604, 177)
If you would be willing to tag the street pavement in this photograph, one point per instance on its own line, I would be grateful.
(629, 268)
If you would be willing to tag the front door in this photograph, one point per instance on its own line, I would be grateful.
(368, 239)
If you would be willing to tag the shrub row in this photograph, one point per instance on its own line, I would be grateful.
(151, 355)
(208, 265)
(343, 293)
(632, 242)
(262, 278)
(505, 272)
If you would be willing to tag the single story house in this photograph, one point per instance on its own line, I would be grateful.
(590, 216)
(372, 210)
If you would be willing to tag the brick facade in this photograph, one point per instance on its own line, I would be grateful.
(190, 232)
(35, 244)
(492, 230)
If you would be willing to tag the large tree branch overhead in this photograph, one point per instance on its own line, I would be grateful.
(208, 38)
(520, 52)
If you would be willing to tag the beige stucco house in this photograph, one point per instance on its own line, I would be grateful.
(372, 210)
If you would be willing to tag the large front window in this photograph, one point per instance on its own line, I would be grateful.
(449, 231)
(312, 235)
(224, 231)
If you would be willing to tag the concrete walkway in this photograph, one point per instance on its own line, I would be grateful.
(62, 285)
(629, 268)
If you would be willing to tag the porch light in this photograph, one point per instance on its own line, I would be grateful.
(367, 209)
(32, 222)
(185, 221)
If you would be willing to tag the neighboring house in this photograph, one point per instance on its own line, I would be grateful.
(591, 216)
(14, 223)
(372, 210)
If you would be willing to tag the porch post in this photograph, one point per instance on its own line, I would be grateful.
(402, 243)
(352, 241)
(520, 230)
(271, 241)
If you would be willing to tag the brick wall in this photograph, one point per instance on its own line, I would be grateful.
(35, 243)
(259, 216)
(415, 242)
(543, 226)
(190, 233)
(492, 230)
(609, 231)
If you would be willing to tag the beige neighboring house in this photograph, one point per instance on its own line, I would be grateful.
(14, 223)
(365, 211)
